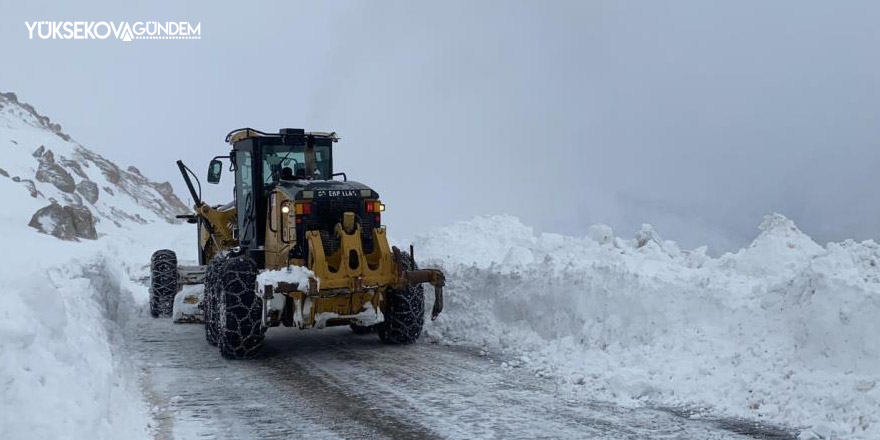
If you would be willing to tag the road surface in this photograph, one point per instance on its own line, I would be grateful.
(332, 384)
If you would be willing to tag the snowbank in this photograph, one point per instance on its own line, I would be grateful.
(783, 331)
(65, 308)
(63, 375)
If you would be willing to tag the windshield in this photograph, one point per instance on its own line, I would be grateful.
(289, 162)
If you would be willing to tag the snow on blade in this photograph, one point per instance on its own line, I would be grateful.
(783, 331)
(186, 304)
(292, 275)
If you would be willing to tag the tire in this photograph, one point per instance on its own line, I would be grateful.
(362, 329)
(163, 282)
(404, 311)
(209, 301)
(240, 309)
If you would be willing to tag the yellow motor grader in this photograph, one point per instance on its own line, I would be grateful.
(300, 246)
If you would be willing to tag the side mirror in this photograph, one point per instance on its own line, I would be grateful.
(214, 171)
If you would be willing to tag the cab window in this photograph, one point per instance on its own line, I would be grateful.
(289, 162)
(244, 197)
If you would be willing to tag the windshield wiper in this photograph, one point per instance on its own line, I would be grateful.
(248, 213)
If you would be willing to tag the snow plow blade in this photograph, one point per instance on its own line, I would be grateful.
(362, 306)
(187, 307)
(348, 287)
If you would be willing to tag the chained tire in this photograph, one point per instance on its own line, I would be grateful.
(209, 301)
(163, 282)
(240, 309)
(404, 311)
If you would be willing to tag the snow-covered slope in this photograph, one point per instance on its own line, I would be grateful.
(42, 166)
(65, 305)
(783, 331)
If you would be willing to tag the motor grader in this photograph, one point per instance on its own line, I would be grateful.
(300, 246)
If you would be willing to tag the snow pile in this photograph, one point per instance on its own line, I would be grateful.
(292, 275)
(63, 369)
(66, 311)
(783, 331)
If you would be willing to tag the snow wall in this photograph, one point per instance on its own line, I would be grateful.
(784, 331)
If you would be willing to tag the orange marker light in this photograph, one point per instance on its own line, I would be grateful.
(303, 208)
(375, 206)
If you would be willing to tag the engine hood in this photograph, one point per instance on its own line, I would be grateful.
(326, 188)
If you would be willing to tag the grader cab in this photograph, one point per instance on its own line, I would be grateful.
(300, 246)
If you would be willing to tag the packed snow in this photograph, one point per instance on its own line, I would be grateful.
(186, 307)
(65, 310)
(783, 331)
(291, 275)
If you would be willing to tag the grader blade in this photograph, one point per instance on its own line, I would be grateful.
(187, 307)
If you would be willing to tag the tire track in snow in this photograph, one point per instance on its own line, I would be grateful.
(333, 384)
(460, 394)
(207, 396)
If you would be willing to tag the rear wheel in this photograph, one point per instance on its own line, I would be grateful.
(239, 309)
(404, 311)
(163, 282)
(209, 301)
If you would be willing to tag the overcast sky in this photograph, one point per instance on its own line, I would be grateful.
(696, 116)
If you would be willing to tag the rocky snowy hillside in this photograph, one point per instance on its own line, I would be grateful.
(67, 190)
(66, 304)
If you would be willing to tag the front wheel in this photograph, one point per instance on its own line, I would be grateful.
(240, 310)
(163, 282)
(404, 310)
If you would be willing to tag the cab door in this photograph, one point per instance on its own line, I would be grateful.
(245, 198)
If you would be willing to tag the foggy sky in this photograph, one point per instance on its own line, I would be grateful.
(698, 117)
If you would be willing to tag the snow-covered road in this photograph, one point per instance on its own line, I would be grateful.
(334, 384)
(538, 328)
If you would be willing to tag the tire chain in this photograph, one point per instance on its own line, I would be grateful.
(163, 282)
(240, 309)
(209, 301)
(405, 313)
